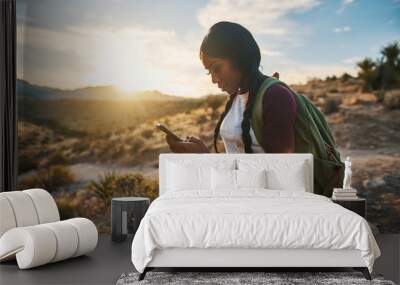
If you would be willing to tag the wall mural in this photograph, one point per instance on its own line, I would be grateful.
(94, 77)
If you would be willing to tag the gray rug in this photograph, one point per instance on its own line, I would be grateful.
(225, 278)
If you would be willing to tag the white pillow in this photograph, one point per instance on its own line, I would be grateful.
(229, 179)
(223, 179)
(188, 177)
(293, 179)
(251, 178)
(281, 174)
(193, 174)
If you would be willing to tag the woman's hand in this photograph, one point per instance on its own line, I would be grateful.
(189, 145)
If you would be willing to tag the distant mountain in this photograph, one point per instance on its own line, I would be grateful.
(26, 89)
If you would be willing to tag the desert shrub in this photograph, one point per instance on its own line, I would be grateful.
(380, 95)
(330, 105)
(65, 208)
(392, 99)
(58, 158)
(27, 160)
(331, 78)
(27, 182)
(49, 178)
(201, 119)
(167, 120)
(137, 144)
(88, 204)
(113, 185)
(117, 151)
(214, 101)
(80, 146)
(148, 133)
(94, 202)
(345, 77)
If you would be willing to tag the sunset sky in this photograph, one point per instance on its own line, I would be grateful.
(146, 45)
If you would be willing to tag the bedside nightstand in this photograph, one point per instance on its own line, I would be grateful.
(126, 214)
(358, 206)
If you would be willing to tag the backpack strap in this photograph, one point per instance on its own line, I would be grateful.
(257, 116)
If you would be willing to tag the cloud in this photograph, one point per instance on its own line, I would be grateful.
(138, 58)
(142, 57)
(134, 58)
(268, 52)
(344, 4)
(352, 60)
(342, 29)
(272, 19)
(260, 17)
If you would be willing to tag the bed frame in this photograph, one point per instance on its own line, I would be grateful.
(241, 259)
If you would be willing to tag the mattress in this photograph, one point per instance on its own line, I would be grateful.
(251, 218)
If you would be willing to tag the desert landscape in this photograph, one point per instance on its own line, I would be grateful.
(88, 145)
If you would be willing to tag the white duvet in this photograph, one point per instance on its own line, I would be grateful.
(253, 218)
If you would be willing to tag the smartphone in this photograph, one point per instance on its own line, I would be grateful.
(167, 131)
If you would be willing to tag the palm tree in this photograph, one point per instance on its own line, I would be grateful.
(366, 66)
(367, 72)
(390, 67)
(392, 54)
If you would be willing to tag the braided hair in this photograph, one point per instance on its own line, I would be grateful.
(234, 42)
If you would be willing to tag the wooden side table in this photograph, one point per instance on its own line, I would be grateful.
(126, 214)
(358, 206)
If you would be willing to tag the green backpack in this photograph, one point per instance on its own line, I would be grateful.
(312, 135)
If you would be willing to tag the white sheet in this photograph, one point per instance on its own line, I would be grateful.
(252, 218)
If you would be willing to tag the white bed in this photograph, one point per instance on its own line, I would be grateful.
(248, 227)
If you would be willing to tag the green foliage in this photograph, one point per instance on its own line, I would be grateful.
(58, 158)
(331, 78)
(112, 185)
(49, 178)
(148, 133)
(202, 118)
(137, 144)
(380, 95)
(214, 101)
(66, 209)
(27, 160)
(367, 73)
(345, 77)
(384, 73)
(392, 100)
(330, 106)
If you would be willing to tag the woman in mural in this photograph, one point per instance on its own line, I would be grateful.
(262, 114)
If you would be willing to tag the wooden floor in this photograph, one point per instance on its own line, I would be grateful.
(110, 260)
